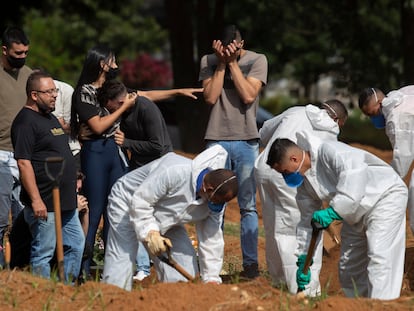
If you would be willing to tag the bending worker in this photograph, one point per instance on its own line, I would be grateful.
(364, 192)
(152, 203)
(280, 211)
(395, 113)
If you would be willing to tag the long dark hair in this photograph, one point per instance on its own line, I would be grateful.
(90, 72)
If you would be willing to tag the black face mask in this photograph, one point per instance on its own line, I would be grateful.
(16, 62)
(112, 73)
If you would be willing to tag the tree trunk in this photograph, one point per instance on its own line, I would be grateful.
(191, 116)
(407, 30)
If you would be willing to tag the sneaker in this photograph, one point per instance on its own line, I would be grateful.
(250, 271)
(140, 275)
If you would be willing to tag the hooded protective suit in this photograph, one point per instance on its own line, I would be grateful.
(161, 195)
(371, 198)
(279, 207)
(398, 110)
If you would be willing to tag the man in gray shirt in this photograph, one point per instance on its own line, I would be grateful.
(232, 79)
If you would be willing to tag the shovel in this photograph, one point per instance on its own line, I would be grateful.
(7, 246)
(55, 161)
(316, 229)
(172, 263)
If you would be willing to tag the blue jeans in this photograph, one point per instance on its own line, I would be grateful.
(44, 243)
(9, 193)
(102, 166)
(143, 260)
(241, 157)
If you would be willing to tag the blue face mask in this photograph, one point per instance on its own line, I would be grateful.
(294, 179)
(378, 120)
(215, 207)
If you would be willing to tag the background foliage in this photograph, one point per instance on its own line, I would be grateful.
(358, 43)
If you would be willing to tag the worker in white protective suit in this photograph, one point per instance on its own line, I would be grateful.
(279, 209)
(152, 203)
(365, 193)
(395, 113)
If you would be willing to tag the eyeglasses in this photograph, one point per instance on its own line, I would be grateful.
(48, 92)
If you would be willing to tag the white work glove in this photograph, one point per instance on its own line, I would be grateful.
(156, 243)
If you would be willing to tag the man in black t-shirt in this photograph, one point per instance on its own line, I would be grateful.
(37, 135)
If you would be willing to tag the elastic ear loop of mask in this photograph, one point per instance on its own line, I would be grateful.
(375, 94)
(330, 109)
(221, 185)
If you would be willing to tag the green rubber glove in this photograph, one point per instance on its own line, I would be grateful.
(301, 261)
(325, 216)
(302, 279)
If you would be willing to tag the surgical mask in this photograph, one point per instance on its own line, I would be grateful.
(294, 179)
(215, 207)
(112, 73)
(378, 121)
(16, 62)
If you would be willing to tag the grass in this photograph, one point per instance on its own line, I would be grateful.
(233, 229)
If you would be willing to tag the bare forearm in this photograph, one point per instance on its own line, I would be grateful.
(100, 124)
(247, 90)
(214, 85)
(158, 95)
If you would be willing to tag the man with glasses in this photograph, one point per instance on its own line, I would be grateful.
(395, 113)
(13, 77)
(153, 203)
(36, 135)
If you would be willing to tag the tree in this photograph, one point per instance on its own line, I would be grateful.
(190, 115)
(407, 26)
(60, 39)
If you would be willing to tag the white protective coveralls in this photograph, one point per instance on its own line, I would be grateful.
(279, 208)
(161, 195)
(398, 110)
(371, 198)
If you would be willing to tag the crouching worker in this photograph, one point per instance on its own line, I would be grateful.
(152, 204)
(364, 192)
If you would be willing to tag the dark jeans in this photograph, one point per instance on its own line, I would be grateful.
(102, 166)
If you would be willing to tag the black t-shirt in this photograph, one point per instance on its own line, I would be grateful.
(146, 134)
(36, 137)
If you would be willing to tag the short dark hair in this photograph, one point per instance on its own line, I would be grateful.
(110, 90)
(365, 96)
(278, 150)
(230, 33)
(14, 35)
(218, 176)
(32, 83)
(335, 106)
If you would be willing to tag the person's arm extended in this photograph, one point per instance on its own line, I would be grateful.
(159, 95)
(100, 124)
